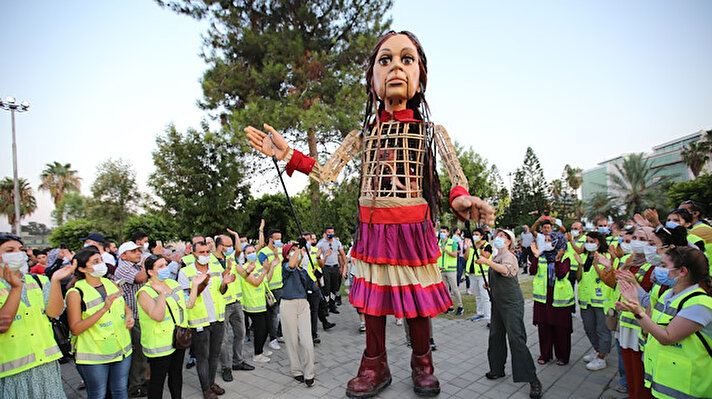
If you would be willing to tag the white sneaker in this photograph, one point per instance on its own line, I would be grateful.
(274, 344)
(596, 364)
(399, 322)
(469, 292)
(267, 352)
(280, 340)
(588, 358)
(261, 358)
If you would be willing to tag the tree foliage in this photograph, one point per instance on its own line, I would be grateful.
(154, 225)
(200, 177)
(73, 206)
(699, 190)
(294, 64)
(59, 179)
(36, 229)
(636, 186)
(115, 196)
(71, 233)
(28, 203)
(530, 193)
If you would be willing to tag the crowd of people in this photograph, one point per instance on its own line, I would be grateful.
(642, 287)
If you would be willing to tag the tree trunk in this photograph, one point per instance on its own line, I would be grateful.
(313, 185)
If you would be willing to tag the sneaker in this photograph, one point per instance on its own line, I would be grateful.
(316, 340)
(478, 317)
(489, 324)
(309, 382)
(362, 327)
(460, 311)
(267, 352)
(620, 388)
(399, 322)
(327, 325)
(469, 292)
(449, 310)
(433, 347)
(596, 364)
(588, 358)
(190, 364)
(227, 374)
(299, 378)
(280, 340)
(274, 345)
(243, 366)
(261, 358)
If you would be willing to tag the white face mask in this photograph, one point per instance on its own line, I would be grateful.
(590, 246)
(204, 260)
(548, 246)
(638, 246)
(145, 245)
(626, 247)
(16, 260)
(100, 270)
(575, 233)
(476, 238)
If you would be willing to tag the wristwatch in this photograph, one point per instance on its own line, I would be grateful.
(637, 316)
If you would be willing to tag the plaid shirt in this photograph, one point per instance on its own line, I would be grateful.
(127, 271)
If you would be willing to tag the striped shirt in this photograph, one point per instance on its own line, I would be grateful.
(127, 271)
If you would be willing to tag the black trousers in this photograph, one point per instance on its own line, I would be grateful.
(171, 366)
(207, 344)
(259, 323)
(332, 282)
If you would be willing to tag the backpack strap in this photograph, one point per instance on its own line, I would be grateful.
(699, 334)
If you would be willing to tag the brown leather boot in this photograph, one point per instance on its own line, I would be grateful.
(424, 382)
(373, 376)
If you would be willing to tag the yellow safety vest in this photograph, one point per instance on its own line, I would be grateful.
(198, 315)
(569, 254)
(591, 290)
(693, 238)
(190, 258)
(108, 340)
(680, 370)
(449, 263)
(29, 342)
(157, 336)
(276, 281)
(234, 289)
(627, 319)
(563, 290)
(253, 298)
(473, 268)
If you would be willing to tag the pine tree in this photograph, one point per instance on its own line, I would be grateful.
(530, 193)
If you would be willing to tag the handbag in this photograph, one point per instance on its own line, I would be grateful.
(60, 330)
(182, 336)
(269, 296)
(612, 319)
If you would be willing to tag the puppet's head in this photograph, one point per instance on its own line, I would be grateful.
(396, 74)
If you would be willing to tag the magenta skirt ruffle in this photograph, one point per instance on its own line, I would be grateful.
(406, 244)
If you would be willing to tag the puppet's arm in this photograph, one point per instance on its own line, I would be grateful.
(329, 172)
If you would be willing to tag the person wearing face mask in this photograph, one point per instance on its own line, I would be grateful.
(131, 276)
(254, 286)
(28, 351)
(699, 227)
(140, 239)
(311, 265)
(189, 257)
(553, 298)
(206, 318)
(333, 256)
(97, 240)
(633, 263)
(100, 319)
(594, 296)
(272, 253)
(231, 355)
(479, 247)
(508, 316)
(678, 325)
(448, 266)
(294, 309)
(162, 307)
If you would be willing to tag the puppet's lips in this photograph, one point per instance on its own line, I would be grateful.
(396, 80)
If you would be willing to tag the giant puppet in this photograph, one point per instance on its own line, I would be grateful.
(396, 251)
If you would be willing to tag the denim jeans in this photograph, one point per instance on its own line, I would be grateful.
(207, 343)
(98, 376)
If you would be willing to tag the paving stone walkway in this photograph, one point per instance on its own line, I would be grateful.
(460, 364)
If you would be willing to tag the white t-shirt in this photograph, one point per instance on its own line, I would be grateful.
(207, 297)
(108, 258)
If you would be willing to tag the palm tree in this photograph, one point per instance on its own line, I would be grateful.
(59, 179)
(28, 204)
(574, 178)
(635, 186)
(696, 155)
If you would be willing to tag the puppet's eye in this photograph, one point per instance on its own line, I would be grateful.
(408, 59)
(384, 60)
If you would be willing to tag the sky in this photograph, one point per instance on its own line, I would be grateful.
(578, 81)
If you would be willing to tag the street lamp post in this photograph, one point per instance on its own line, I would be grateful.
(11, 105)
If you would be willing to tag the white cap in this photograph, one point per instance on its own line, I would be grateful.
(127, 246)
(509, 233)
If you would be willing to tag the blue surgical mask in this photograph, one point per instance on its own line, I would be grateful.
(308, 246)
(498, 242)
(638, 246)
(243, 245)
(330, 236)
(662, 276)
(229, 251)
(164, 273)
(443, 236)
(671, 225)
(251, 257)
(277, 243)
(456, 238)
(604, 230)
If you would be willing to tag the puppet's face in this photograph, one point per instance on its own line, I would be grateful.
(396, 74)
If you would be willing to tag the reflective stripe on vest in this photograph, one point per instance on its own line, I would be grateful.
(234, 289)
(563, 290)
(29, 342)
(108, 339)
(253, 298)
(157, 336)
(198, 315)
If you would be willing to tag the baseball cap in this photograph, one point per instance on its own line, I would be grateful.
(94, 237)
(509, 233)
(285, 250)
(127, 246)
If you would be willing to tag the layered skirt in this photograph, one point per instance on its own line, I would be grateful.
(395, 260)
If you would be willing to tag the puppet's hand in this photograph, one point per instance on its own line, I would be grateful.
(474, 208)
(269, 145)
